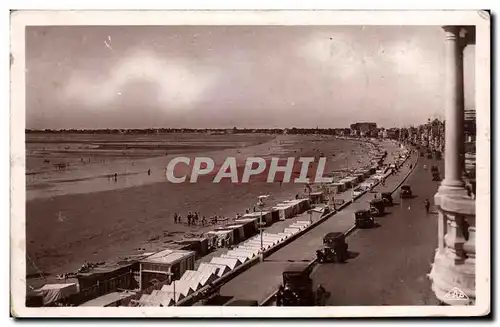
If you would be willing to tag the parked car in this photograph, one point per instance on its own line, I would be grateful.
(405, 191)
(297, 287)
(387, 198)
(364, 219)
(377, 207)
(334, 248)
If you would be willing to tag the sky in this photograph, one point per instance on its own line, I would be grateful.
(243, 76)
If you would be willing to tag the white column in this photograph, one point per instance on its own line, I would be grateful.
(454, 262)
(454, 109)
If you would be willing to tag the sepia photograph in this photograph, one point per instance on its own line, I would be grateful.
(166, 163)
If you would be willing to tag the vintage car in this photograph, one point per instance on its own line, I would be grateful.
(297, 288)
(387, 198)
(377, 207)
(363, 219)
(429, 155)
(405, 191)
(437, 155)
(436, 177)
(334, 248)
(434, 169)
(422, 154)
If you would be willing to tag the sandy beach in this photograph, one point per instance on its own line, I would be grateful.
(95, 219)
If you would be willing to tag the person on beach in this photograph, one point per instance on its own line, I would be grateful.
(175, 218)
(149, 172)
(189, 217)
(116, 176)
(203, 221)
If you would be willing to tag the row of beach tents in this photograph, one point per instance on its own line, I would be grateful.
(243, 232)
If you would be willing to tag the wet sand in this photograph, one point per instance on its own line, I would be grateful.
(64, 231)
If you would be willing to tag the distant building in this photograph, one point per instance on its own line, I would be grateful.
(365, 129)
(470, 125)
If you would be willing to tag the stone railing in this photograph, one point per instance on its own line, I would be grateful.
(454, 264)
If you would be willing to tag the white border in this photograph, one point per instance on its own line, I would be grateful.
(21, 19)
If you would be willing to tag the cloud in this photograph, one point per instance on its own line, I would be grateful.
(335, 52)
(181, 82)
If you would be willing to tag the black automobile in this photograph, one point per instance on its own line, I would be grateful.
(387, 198)
(434, 169)
(364, 219)
(436, 177)
(429, 155)
(297, 288)
(334, 248)
(422, 154)
(377, 207)
(405, 191)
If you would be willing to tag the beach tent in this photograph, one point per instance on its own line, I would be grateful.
(221, 269)
(231, 263)
(242, 253)
(183, 287)
(198, 279)
(54, 292)
(277, 237)
(292, 230)
(241, 259)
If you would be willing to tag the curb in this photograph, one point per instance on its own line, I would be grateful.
(346, 233)
(245, 266)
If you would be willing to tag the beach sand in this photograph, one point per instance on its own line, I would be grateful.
(64, 231)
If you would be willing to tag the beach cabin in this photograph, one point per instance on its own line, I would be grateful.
(222, 238)
(199, 245)
(52, 293)
(165, 265)
(250, 226)
(109, 277)
(337, 187)
(317, 197)
(112, 299)
(360, 176)
(239, 232)
(285, 210)
(267, 217)
(353, 181)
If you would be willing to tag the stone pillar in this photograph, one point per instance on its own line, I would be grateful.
(454, 262)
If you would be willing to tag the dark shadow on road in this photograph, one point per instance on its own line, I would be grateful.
(352, 255)
(218, 300)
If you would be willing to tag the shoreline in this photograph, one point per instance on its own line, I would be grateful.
(102, 245)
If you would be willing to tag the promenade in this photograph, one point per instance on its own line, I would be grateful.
(261, 280)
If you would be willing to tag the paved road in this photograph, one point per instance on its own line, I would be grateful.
(263, 279)
(392, 261)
